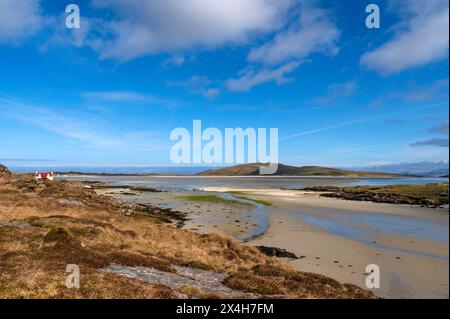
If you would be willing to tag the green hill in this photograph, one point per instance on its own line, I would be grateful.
(286, 170)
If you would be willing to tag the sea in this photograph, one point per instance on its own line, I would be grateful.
(189, 182)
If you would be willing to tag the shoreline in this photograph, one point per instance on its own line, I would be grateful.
(62, 175)
(344, 258)
(124, 253)
(402, 257)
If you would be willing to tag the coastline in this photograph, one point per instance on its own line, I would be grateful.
(127, 250)
(402, 257)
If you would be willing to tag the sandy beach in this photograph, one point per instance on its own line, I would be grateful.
(411, 266)
(336, 238)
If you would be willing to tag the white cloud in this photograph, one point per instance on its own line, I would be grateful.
(313, 32)
(19, 19)
(435, 90)
(155, 26)
(87, 35)
(198, 85)
(437, 141)
(343, 89)
(211, 93)
(421, 38)
(442, 129)
(251, 78)
(337, 91)
(176, 60)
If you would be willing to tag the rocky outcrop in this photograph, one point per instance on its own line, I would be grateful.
(207, 282)
(276, 252)
(145, 189)
(5, 174)
(429, 195)
(165, 215)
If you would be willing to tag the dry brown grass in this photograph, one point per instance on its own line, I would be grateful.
(266, 279)
(97, 235)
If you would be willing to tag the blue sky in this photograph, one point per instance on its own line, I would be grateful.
(110, 92)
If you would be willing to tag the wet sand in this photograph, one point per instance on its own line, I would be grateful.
(333, 237)
(340, 238)
(235, 220)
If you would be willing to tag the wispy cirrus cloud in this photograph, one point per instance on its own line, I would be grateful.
(176, 60)
(434, 91)
(363, 120)
(395, 121)
(336, 92)
(120, 96)
(440, 129)
(250, 77)
(201, 85)
(312, 32)
(440, 142)
(89, 131)
(131, 97)
(27, 160)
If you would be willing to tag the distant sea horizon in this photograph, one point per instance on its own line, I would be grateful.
(114, 169)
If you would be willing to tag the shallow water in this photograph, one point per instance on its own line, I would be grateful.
(259, 212)
(363, 229)
(360, 227)
(397, 181)
(405, 226)
(258, 182)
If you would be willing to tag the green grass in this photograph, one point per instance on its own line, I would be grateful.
(243, 195)
(259, 201)
(212, 199)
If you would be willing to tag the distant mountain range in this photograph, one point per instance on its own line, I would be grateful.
(286, 170)
(431, 169)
